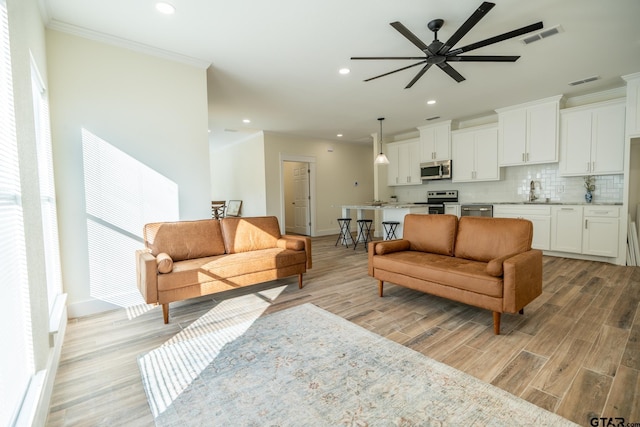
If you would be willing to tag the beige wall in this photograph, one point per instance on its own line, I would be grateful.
(337, 172)
(152, 109)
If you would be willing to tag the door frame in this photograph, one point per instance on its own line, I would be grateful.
(312, 189)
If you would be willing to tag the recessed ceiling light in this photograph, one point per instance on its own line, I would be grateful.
(339, 135)
(431, 101)
(246, 121)
(165, 8)
(344, 71)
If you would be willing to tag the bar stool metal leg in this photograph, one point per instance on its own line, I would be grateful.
(345, 232)
(364, 233)
(390, 229)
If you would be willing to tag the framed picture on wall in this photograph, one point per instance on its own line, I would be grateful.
(233, 208)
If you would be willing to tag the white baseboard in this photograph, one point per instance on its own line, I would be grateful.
(89, 307)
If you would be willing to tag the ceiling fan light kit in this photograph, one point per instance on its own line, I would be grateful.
(440, 54)
(381, 159)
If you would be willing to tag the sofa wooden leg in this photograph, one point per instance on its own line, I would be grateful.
(165, 312)
(496, 323)
(521, 311)
(380, 287)
(299, 281)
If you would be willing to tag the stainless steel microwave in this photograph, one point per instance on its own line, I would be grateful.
(435, 170)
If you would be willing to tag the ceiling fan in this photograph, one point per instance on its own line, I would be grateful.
(440, 54)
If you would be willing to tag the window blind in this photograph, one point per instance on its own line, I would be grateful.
(16, 361)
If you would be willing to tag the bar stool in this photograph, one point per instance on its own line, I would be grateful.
(364, 233)
(345, 231)
(390, 229)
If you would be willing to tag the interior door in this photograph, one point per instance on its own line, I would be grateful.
(301, 199)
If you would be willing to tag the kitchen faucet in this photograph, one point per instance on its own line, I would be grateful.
(532, 191)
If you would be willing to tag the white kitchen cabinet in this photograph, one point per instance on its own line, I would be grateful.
(404, 164)
(528, 133)
(475, 154)
(633, 104)
(435, 142)
(601, 231)
(540, 217)
(452, 210)
(566, 228)
(592, 139)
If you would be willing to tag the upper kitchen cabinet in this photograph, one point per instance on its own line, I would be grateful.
(435, 142)
(592, 139)
(528, 133)
(404, 163)
(633, 104)
(475, 154)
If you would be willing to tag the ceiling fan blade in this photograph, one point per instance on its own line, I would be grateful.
(496, 39)
(480, 12)
(414, 58)
(395, 71)
(451, 71)
(417, 77)
(479, 58)
(410, 36)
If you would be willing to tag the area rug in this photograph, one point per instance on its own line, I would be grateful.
(307, 367)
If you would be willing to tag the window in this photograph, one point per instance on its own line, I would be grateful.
(47, 186)
(16, 365)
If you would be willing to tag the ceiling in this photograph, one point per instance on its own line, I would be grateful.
(276, 62)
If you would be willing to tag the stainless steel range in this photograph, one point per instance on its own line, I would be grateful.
(437, 199)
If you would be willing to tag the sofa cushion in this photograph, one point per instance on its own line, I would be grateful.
(249, 234)
(392, 246)
(165, 263)
(483, 239)
(226, 267)
(446, 270)
(431, 233)
(184, 239)
(495, 266)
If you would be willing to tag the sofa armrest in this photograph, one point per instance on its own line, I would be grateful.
(381, 247)
(522, 280)
(307, 245)
(147, 275)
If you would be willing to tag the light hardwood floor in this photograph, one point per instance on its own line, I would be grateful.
(575, 351)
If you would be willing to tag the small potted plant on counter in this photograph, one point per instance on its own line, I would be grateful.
(590, 185)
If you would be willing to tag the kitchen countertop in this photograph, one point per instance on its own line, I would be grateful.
(386, 206)
(549, 203)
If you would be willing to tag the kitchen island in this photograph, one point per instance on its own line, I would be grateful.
(390, 212)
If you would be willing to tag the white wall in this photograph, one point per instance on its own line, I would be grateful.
(238, 173)
(152, 109)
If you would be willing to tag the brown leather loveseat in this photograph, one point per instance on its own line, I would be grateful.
(187, 259)
(484, 262)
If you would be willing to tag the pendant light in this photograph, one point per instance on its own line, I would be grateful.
(381, 159)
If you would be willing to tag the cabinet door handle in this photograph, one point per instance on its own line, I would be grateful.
(588, 166)
(593, 166)
(523, 157)
(586, 221)
(527, 157)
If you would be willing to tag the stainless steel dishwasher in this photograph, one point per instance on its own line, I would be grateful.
(476, 210)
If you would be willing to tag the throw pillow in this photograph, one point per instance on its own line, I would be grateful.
(165, 263)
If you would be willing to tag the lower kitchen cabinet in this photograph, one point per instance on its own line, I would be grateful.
(588, 230)
(566, 229)
(540, 216)
(601, 228)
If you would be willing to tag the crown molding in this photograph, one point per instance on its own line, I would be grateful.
(127, 44)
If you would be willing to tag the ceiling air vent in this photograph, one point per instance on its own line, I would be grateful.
(230, 130)
(541, 34)
(587, 80)
(433, 118)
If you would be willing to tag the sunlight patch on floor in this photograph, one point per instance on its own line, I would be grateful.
(169, 369)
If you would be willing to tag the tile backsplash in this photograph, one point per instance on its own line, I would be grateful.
(515, 183)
